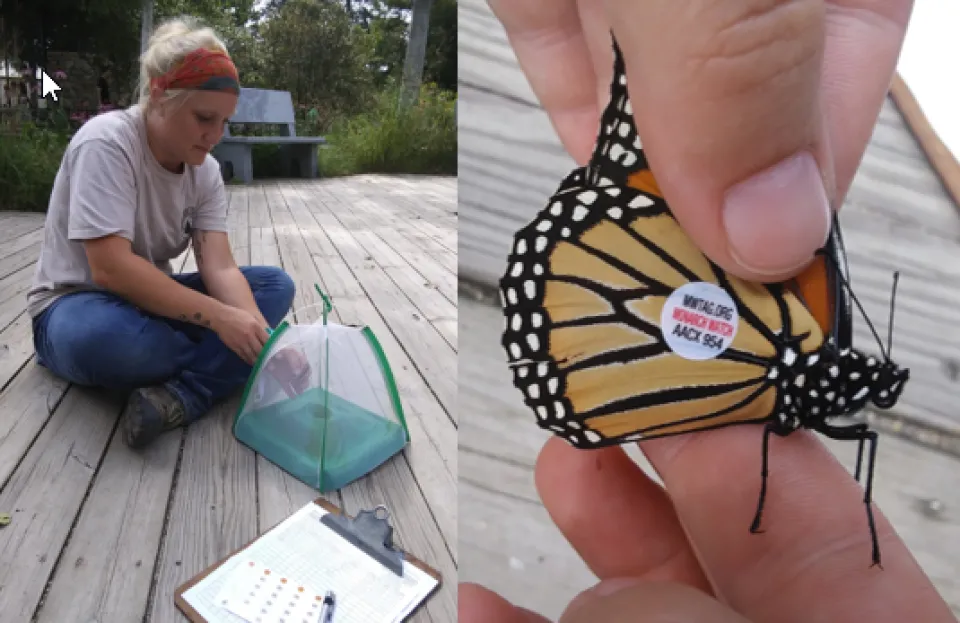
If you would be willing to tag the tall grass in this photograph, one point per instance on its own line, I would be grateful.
(29, 161)
(420, 139)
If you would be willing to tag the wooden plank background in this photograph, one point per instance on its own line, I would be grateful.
(897, 216)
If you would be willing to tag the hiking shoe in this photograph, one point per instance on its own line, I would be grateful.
(150, 411)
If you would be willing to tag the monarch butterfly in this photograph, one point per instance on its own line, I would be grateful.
(618, 329)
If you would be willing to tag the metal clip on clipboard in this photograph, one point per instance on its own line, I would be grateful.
(370, 533)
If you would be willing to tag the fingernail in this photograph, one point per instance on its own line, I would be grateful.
(777, 219)
(603, 589)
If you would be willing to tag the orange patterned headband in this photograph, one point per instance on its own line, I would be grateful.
(207, 70)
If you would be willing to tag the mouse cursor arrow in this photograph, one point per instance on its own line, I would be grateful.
(47, 85)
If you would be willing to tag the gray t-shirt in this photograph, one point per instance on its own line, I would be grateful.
(110, 182)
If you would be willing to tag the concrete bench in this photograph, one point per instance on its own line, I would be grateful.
(264, 106)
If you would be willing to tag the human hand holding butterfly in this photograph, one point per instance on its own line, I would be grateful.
(722, 90)
(808, 566)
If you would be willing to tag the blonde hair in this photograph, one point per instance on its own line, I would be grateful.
(170, 42)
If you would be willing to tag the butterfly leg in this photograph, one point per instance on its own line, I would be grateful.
(859, 428)
(862, 434)
(755, 526)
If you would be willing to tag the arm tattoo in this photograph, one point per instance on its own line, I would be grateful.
(198, 238)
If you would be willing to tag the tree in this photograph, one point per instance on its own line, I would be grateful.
(416, 51)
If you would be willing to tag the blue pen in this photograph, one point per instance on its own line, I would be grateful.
(326, 611)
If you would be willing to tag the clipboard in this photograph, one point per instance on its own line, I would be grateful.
(367, 532)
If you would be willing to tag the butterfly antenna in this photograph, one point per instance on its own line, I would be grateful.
(893, 297)
(853, 296)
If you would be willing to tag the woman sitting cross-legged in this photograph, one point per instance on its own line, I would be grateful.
(135, 187)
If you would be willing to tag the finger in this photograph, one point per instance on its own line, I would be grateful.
(253, 352)
(548, 40)
(619, 521)
(476, 604)
(629, 601)
(815, 535)
(726, 100)
(863, 41)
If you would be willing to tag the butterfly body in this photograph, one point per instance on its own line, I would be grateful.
(618, 328)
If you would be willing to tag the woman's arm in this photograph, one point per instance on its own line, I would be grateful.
(115, 267)
(220, 272)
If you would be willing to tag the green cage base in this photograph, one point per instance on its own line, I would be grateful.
(290, 434)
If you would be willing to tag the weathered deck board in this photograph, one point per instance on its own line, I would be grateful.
(897, 216)
(100, 532)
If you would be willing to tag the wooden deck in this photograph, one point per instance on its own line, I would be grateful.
(897, 217)
(102, 533)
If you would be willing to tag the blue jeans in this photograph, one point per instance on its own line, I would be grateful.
(99, 339)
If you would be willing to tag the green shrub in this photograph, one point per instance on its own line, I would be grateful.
(29, 161)
(420, 139)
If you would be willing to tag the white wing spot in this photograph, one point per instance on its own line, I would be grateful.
(591, 436)
(556, 209)
(533, 341)
(789, 356)
(565, 232)
(536, 319)
(616, 151)
(640, 201)
(579, 212)
(542, 412)
(860, 394)
(587, 197)
(544, 225)
(521, 247)
(541, 243)
(530, 288)
(615, 212)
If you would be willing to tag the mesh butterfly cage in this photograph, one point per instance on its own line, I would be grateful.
(321, 403)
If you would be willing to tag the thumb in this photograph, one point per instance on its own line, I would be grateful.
(630, 600)
(726, 99)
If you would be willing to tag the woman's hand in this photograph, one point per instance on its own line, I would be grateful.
(811, 563)
(241, 332)
(754, 113)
